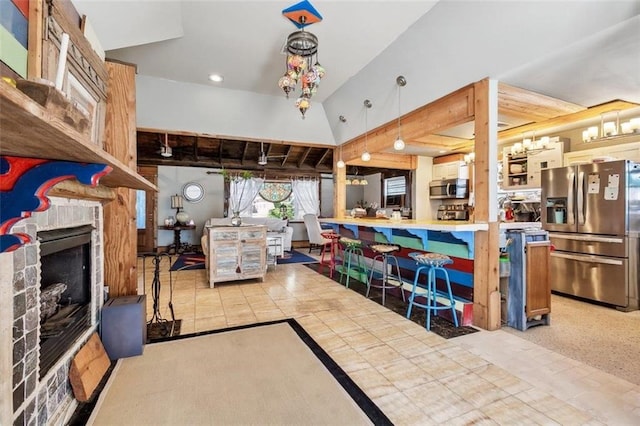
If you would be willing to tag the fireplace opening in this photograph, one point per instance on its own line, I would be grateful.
(65, 290)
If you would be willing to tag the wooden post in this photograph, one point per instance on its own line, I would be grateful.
(486, 277)
(120, 245)
(339, 189)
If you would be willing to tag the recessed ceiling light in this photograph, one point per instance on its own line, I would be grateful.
(217, 78)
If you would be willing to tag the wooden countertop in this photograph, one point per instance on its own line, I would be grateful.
(429, 225)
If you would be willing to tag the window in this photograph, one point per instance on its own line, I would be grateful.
(395, 189)
(275, 199)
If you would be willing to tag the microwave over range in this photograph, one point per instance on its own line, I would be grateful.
(448, 189)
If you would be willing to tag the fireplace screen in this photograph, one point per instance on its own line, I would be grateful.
(65, 290)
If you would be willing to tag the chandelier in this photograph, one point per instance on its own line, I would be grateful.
(302, 56)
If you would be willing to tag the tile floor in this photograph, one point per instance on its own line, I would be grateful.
(414, 376)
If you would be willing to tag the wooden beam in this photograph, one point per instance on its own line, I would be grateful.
(444, 113)
(244, 152)
(74, 189)
(388, 161)
(324, 156)
(284, 160)
(524, 104)
(195, 148)
(304, 156)
(568, 119)
(36, 32)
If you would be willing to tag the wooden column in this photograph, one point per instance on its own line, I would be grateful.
(486, 278)
(339, 189)
(120, 251)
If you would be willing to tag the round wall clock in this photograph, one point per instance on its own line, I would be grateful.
(193, 192)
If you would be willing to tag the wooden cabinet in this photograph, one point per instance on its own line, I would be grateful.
(451, 170)
(236, 253)
(522, 171)
(529, 288)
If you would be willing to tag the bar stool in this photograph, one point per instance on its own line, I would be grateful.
(432, 262)
(383, 253)
(334, 250)
(352, 248)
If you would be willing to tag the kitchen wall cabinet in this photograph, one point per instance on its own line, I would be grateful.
(522, 171)
(451, 170)
(627, 151)
(236, 253)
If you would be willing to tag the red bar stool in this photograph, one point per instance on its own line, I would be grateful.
(332, 248)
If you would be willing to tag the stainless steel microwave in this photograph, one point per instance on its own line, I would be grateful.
(449, 188)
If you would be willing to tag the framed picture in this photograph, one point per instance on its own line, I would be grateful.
(85, 103)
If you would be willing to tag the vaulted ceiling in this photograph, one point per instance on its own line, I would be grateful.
(584, 53)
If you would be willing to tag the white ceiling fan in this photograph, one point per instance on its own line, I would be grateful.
(263, 157)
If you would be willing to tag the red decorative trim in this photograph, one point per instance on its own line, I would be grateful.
(24, 184)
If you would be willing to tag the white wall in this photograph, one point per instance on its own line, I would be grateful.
(170, 182)
(373, 190)
(171, 105)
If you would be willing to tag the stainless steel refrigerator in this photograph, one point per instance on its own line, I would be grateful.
(592, 213)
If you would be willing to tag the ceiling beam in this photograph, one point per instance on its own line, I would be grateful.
(593, 112)
(326, 152)
(244, 152)
(526, 105)
(388, 161)
(284, 160)
(304, 156)
(195, 148)
(441, 114)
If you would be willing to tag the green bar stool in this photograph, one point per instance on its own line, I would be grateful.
(352, 248)
(389, 280)
(432, 262)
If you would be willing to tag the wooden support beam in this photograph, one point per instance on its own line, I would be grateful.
(284, 160)
(526, 105)
(324, 156)
(195, 148)
(220, 152)
(444, 113)
(74, 189)
(244, 152)
(36, 32)
(592, 112)
(304, 156)
(339, 189)
(486, 278)
(388, 161)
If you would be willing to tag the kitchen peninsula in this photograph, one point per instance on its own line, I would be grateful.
(455, 239)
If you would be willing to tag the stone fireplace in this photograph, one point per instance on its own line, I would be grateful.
(69, 233)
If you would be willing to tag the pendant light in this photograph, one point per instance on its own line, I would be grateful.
(340, 163)
(398, 145)
(365, 155)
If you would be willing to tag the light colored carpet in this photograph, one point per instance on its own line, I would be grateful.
(601, 337)
(259, 375)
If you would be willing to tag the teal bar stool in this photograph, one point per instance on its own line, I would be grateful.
(383, 253)
(432, 262)
(352, 248)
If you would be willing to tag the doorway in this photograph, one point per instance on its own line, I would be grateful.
(146, 211)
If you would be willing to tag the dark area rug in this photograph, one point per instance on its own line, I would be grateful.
(295, 257)
(188, 262)
(393, 301)
(162, 330)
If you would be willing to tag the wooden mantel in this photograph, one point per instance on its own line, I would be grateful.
(29, 130)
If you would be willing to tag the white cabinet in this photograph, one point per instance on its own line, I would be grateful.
(627, 151)
(522, 171)
(451, 170)
(236, 253)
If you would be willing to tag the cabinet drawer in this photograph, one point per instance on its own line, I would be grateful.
(253, 234)
(224, 235)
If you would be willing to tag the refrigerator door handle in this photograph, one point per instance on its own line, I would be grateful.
(588, 259)
(587, 238)
(580, 198)
(571, 218)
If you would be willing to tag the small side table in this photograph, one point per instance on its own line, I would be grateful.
(177, 247)
(274, 249)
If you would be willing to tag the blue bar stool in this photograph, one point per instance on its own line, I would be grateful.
(352, 248)
(389, 280)
(432, 262)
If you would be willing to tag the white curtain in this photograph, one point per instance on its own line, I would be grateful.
(242, 192)
(306, 197)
